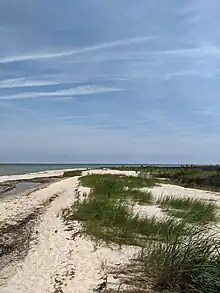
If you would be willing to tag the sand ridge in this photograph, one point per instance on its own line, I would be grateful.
(59, 262)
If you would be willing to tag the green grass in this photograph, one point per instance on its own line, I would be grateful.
(114, 221)
(118, 187)
(192, 210)
(190, 265)
(72, 173)
(120, 182)
(141, 197)
(177, 256)
(202, 178)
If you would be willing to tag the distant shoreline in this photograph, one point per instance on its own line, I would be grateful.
(21, 169)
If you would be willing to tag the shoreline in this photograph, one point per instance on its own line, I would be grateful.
(35, 175)
(12, 188)
(38, 253)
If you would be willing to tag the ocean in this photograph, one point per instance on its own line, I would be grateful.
(17, 169)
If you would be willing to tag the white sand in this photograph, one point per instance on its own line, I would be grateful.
(179, 191)
(150, 210)
(110, 171)
(58, 262)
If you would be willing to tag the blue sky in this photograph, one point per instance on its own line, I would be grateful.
(110, 81)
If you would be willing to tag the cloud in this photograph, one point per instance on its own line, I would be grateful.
(51, 55)
(193, 51)
(78, 91)
(155, 64)
(31, 82)
(83, 117)
(188, 73)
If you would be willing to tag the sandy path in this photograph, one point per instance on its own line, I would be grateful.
(42, 256)
(56, 262)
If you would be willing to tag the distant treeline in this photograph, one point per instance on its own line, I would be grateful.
(187, 166)
(194, 176)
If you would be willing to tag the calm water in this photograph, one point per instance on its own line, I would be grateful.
(16, 169)
(20, 188)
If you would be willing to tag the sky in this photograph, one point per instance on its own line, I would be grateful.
(110, 81)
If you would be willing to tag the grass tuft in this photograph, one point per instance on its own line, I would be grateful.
(96, 181)
(192, 210)
(114, 221)
(72, 173)
(189, 265)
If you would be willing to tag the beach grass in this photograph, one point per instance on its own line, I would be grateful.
(97, 181)
(114, 221)
(72, 173)
(177, 255)
(119, 187)
(141, 197)
(189, 265)
(190, 209)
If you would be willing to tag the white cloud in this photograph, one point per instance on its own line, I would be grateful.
(204, 50)
(30, 82)
(78, 91)
(51, 55)
(84, 117)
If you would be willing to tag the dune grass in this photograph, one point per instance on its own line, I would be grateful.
(72, 173)
(177, 255)
(192, 210)
(114, 221)
(118, 187)
(135, 195)
(96, 181)
(189, 265)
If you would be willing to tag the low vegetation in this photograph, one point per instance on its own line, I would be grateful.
(119, 187)
(202, 178)
(177, 255)
(192, 210)
(114, 221)
(97, 181)
(72, 173)
(189, 265)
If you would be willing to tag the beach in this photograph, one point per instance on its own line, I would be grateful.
(39, 254)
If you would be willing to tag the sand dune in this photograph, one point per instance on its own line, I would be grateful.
(56, 261)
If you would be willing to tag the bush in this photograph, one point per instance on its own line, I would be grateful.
(191, 177)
